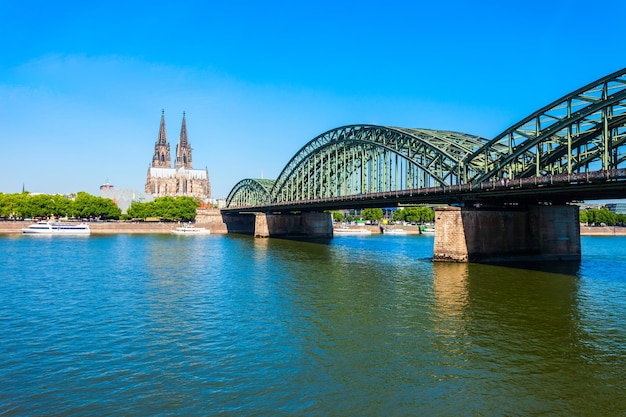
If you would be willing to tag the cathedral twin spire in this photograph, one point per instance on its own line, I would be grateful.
(161, 158)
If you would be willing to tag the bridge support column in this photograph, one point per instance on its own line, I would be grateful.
(307, 224)
(533, 233)
(315, 225)
(261, 227)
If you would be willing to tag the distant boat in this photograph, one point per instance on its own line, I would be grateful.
(392, 231)
(189, 230)
(427, 230)
(345, 231)
(57, 228)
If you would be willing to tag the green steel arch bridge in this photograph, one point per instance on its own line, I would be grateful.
(570, 150)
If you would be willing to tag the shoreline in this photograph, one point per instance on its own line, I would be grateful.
(107, 228)
(602, 231)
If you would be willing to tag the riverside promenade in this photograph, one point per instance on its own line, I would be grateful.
(108, 228)
(602, 231)
(210, 219)
(218, 227)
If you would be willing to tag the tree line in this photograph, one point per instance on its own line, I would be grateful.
(406, 214)
(165, 208)
(597, 217)
(86, 206)
(79, 206)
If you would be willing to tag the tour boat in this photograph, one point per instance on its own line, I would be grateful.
(189, 230)
(390, 231)
(345, 231)
(58, 228)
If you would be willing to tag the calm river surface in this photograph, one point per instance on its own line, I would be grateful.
(148, 325)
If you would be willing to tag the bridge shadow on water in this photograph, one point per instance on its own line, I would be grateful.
(571, 268)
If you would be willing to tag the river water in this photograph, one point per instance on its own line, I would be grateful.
(148, 325)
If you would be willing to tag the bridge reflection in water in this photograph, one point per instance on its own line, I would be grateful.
(530, 322)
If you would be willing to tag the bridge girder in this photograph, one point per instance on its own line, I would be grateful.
(359, 159)
(582, 132)
(250, 192)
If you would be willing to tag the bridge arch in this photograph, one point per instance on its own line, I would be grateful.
(582, 131)
(250, 192)
(360, 159)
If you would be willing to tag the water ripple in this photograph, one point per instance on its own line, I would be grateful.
(230, 325)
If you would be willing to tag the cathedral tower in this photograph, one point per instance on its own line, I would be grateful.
(183, 149)
(161, 158)
(182, 180)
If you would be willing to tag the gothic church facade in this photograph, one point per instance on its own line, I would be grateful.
(182, 179)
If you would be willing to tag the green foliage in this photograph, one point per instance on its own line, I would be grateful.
(24, 205)
(600, 216)
(337, 215)
(374, 214)
(88, 206)
(165, 208)
(415, 214)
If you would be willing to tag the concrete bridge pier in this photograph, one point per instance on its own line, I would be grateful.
(532, 233)
(305, 224)
(263, 225)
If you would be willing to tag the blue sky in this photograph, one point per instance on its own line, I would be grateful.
(83, 84)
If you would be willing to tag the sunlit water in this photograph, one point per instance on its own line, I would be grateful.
(360, 326)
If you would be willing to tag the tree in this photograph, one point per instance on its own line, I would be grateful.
(87, 206)
(165, 208)
(604, 216)
(138, 210)
(337, 215)
(415, 214)
(584, 216)
(428, 214)
(599, 216)
(398, 215)
(374, 214)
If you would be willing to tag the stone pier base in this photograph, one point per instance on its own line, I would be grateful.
(262, 225)
(533, 233)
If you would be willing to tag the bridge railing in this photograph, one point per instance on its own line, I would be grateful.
(445, 193)
(557, 179)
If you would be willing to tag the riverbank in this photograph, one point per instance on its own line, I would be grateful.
(104, 228)
(602, 231)
(107, 228)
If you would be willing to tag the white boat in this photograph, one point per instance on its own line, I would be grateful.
(345, 231)
(427, 230)
(189, 230)
(391, 231)
(57, 228)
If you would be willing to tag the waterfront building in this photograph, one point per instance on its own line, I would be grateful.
(617, 208)
(124, 198)
(182, 179)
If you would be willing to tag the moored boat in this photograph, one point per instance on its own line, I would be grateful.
(346, 231)
(189, 230)
(427, 230)
(393, 231)
(57, 228)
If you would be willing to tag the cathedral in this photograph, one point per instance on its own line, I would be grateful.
(182, 180)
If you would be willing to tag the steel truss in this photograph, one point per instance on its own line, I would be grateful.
(250, 192)
(584, 131)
